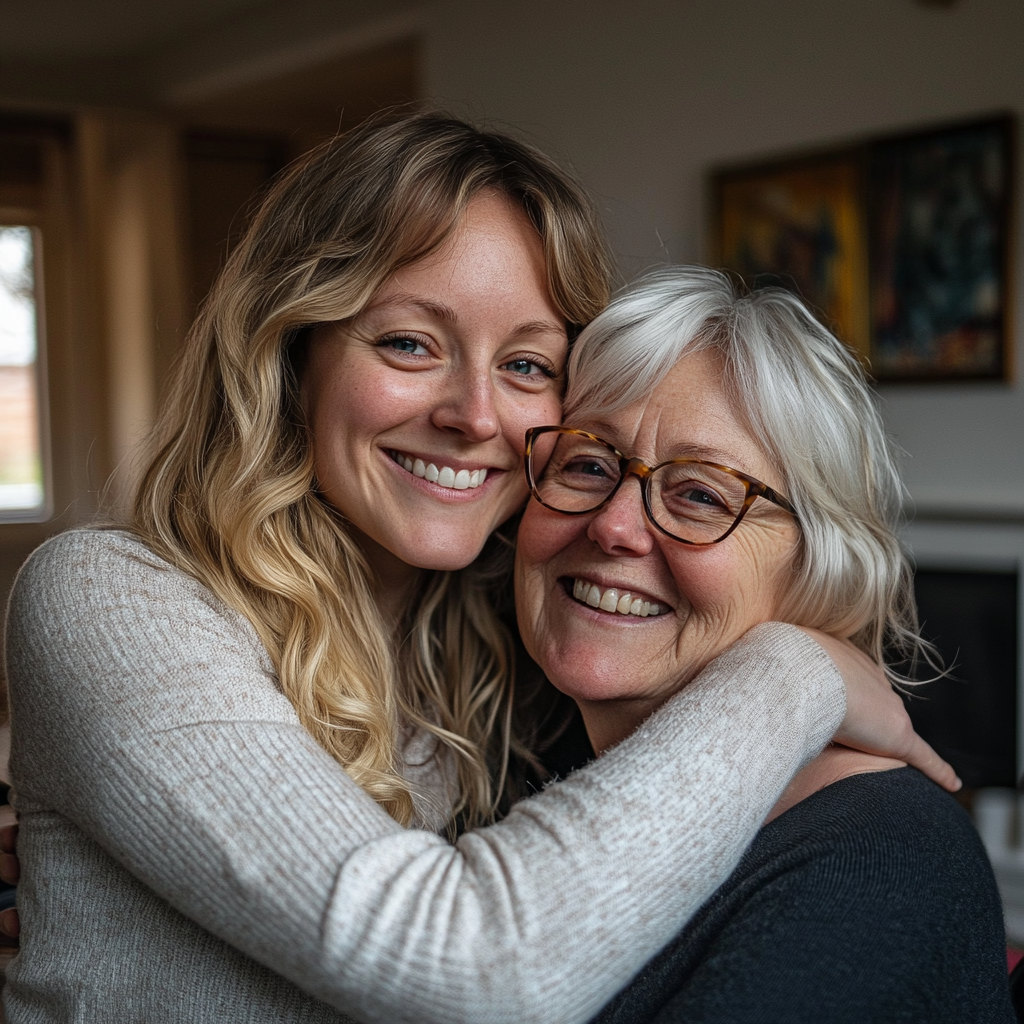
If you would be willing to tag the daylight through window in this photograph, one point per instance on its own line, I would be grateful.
(21, 456)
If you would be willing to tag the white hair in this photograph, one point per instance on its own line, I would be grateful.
(804, 397)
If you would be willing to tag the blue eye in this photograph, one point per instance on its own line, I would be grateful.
(528, 368)
(399, 343)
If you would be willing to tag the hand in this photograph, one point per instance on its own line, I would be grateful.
(876, 720)
(10, 870)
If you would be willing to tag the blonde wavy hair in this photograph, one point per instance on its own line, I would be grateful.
(228, 493)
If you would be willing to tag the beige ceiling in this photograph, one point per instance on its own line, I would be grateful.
(104, 28)
(195, 54)
(316, 101)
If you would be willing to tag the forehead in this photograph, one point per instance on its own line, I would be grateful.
(491, 227)
(493, 258)
(690, 414)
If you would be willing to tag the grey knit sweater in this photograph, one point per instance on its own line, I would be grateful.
(190, 854)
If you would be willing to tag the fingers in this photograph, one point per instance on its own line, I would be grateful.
(10, 923)
(876, 718)
(10, 869)
(925, 760)
(9, 838)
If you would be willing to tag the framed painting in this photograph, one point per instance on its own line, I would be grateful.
(899, 244)
(799, 224)
(938, 213)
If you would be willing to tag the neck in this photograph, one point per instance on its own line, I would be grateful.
(392, 579)
(832, 764)
(610, 721)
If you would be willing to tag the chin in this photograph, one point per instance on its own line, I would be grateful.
(590, 693)
(442, 557)
(584, 680)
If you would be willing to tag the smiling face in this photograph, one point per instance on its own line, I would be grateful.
(618, 665)
(418, 405)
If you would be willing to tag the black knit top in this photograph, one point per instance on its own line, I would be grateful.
(871, 900)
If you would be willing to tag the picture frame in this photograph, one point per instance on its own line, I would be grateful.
(798, 223)
(938, 214)
(900, 244)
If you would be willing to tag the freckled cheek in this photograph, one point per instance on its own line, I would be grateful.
(709, 583)
(543, 534)
(383, 404)
(540, 411)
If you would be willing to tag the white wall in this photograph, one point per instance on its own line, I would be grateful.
(643, 98)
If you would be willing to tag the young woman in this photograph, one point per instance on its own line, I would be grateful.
(240, 723)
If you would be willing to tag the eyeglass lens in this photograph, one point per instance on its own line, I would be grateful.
(692, 501)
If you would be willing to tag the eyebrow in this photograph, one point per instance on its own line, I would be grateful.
(444, 313)
(438, 310)
(703, 453)
(683, 450)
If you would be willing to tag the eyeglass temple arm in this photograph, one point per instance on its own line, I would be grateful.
(764, 491)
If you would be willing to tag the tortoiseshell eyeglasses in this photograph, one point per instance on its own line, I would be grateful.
(574, 472)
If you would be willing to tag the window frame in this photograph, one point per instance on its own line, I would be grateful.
(21, 215)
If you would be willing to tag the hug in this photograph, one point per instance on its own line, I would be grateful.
(267, 738)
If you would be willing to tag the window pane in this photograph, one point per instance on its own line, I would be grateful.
(21, 463)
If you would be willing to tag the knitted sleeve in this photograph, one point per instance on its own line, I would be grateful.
(147, 713)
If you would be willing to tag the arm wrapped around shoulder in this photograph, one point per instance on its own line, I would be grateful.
(146, 714)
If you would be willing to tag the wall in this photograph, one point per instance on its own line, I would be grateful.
(643, 98)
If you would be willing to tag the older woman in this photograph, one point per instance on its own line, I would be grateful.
(725, 466)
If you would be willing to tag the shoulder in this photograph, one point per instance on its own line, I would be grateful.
(89, 564)
(899, 808)
(86, 565)
(885, 873)
(77, 557)
(98, 622)
(894, 834)
(871, 899)
(88, 580)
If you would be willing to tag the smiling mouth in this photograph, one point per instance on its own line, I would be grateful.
(443, 476)
(614, 600)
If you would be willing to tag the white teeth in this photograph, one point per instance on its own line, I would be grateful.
(613, 600)
(461, 480)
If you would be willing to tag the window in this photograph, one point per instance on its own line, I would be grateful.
(22, 477)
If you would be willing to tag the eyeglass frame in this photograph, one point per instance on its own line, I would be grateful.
(632, 466)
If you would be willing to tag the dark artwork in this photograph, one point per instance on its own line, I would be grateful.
(971, 717)
(937, 210)
(900, 245)
(797, 224)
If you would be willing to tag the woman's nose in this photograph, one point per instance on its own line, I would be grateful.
(621, 528)
(468, 407)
